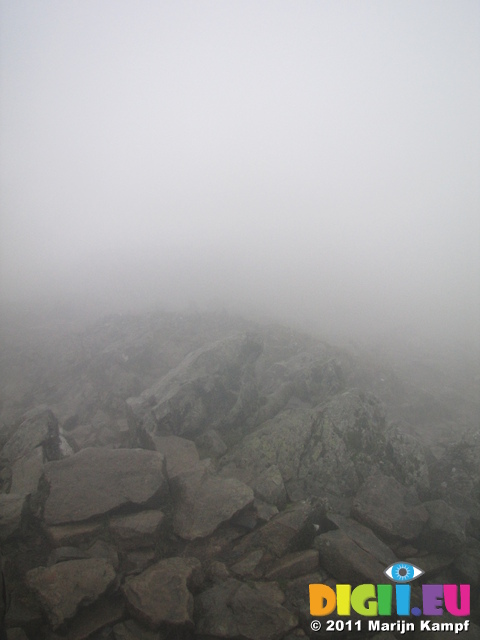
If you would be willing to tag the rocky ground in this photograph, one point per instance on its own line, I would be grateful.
(183, 476)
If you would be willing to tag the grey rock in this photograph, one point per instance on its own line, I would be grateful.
(234, 609)
(280, 534)
(445, 528)
(39, 428)
(136, 530)
(382, 505)
(95, 481)
(213, 387)
(160, 595)
(279, 443)
(467, 565)
(72, 534)
(293, 565)
(364, 538)
(62, 554)
(212, 442)
(180, 454)
(11, 506)
(346, 561)
(65, 587)
(130, 630)
(26, 472)
(203, 501)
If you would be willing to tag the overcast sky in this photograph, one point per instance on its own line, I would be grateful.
(317, 161)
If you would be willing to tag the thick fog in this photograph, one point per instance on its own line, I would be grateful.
(314, 162)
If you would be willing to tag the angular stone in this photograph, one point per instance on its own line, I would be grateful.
(247, 565)
(180, 454)
(40, 428)
(293, 565)
(26, 472)
(237, 610)
(382, 505)
(445, 528)
(11, 506)
(130, 630)
(65, 587)
(160, 595)
(365, 538)
(346, 561)
(269, 486)
(279, 534)
(95, 481)
(72, 534)
(203, 501)
(136, 530)
(90, 620)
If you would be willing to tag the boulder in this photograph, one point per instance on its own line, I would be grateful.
(347, 441)
(364, 538)
(130, 630)
(271, 455)
(213, 387)
(445, 528)
(212, 442)
(346, 561)
(289, 530)
(293, 565)
(63, 588)
(180, 454)
(203, 501)
(160, 595)
(26, 472)
(38, 429)
(237, 610)
(96, 481)
(136, 530)
(383, 505)
(11, 506)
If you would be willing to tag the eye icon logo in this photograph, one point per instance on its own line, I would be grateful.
(403, 572)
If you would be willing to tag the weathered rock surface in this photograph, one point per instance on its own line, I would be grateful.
(383, 504)
(203, 501)
(293, 565)
(136, 530)
(444, 531)
(39, 429)
(160, 595)
(285, 531)
(237, 610)
(96, 481)
(26, 472)
(275, 414)
(212, 387)
(11, 506)
(364, 538)
(346, 560)
(180, 454)
(66, 586)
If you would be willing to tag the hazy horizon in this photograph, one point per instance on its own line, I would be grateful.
(315, 162)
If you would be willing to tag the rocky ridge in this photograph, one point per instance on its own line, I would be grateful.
(194, 474)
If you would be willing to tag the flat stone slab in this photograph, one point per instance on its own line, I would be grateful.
(293, 565)
(11, 505)
(203, 501)
(382, 505)
(346, 561)
(237, 610)
(95, 481)
(66, 586)
(180, 454)
(136, 530)
(160, 595)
